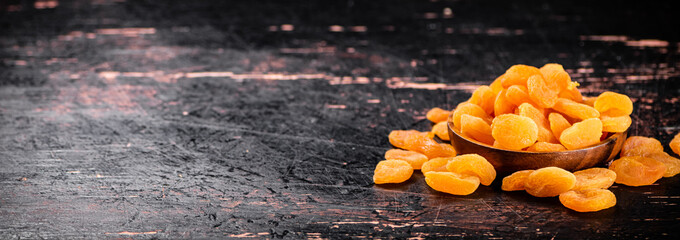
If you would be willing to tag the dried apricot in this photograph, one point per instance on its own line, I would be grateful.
(588, 200)
(675, 144)
(571, 93)
(555, 77)
(397, 137)
(497, 85)
(502, 105)
(437, 115)
(537, 115)
(615, 124)
(476, 128)
(546, 147)
(518, 75)
(423, 144)
(574, 109)
(558, 123)
(637, 170)
(392, 171)
(515, 181)
(672, 164)
(613, 104)
(452, 183)
(640, 146)
(470, 109)
(514, 132)
(549, 182)
(484, 97)
(539, 93)
(441, 129)
(590, 101)
(594, 178)
(517, 94)
(436, 164)
(415, 159)
(474, 165)
(582, 134)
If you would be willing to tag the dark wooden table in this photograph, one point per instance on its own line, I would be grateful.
(191, 119)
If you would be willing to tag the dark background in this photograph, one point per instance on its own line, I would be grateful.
(265, 119)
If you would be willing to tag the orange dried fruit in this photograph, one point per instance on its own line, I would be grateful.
(397, 137)
(613, 104)
(484, 97)
(428, 146)
(513, 131)
(558, 123)
(476, 128)
(590, 101)
(555, 77)
(474, 165)
(392, 171)
(640, 146)
(437, 115)
(470, 109)
(537, 115)
(672, 164)
(546, 147)
(517, 94)
(582, 134)
(452, 183)
(549, 182)
(515, 181)
(594, 178)
(675, 144)
(571, 93)
(441, 129)
(415, 159)
(574, 109)
(502, 105)
(539, 92)
(615, 124)
(436, 164)
(497, 85)
(637, 170)
(518, 75)
(588, 200)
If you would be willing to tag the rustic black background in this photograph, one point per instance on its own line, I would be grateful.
(265, 119)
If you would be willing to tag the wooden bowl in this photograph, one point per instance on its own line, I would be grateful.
(508, 161)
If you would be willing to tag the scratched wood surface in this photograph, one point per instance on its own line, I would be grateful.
(191, 119)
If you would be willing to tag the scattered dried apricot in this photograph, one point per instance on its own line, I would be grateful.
(515, 181)
(452, 183)
(546, 147)
(672, 164)
(436, 164)
(398, 137)
(588, 200)
(615, 124)
(392, 171)
(415, 159)
(423, 144)
(518, 75)
(640, 146)
(582, 134)
(484, 97)
(437, 115)
(549, 182)
(637, 170)
(514, 132)
(539, 93)
(575, 110)
(476, 128)
(613, 104)
(441, 129)
(475, 165)
(594, 178)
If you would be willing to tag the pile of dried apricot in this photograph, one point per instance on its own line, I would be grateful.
(538, 110)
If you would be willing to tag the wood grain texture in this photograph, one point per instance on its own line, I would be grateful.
(195, 119)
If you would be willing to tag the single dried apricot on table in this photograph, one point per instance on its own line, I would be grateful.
(398, 137)
(637, 170)
(515, 181)
(675, 144)
(415, 159)
(484, 97)
(582, 134)
(613, 104)
(422, 143)
(558, 123)
(475, 165)
(392, 171)
(441, 130)
(437, 115)
(640, 146)
(672, 164)
(575, 110)
(518, 75)
(470, 109)
(476, 128)
(549, 182)
(594, 178)
(514, 132)
(436, 165)
(452, 183)
(539, 93)
(546, 147)
(588, 200)
(615, 124)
